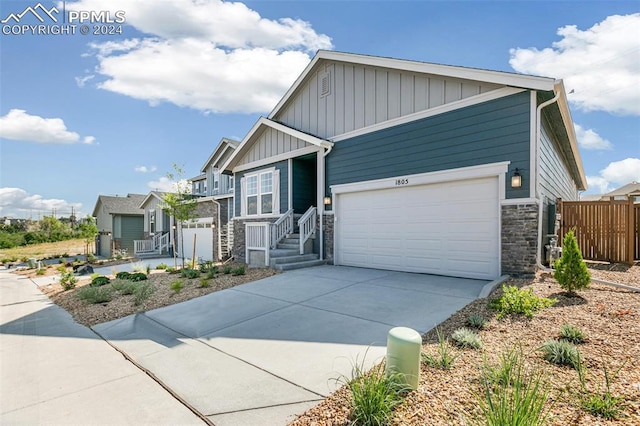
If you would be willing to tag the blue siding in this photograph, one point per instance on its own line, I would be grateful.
(490, 132)
(283, 166)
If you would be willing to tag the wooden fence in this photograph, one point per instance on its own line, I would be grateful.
(606, 230)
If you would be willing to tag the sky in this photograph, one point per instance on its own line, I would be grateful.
(158, 83)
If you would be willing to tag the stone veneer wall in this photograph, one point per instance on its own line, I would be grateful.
(328, 221)
(239, 236)
(519, 239)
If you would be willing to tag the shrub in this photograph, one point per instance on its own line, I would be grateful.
(374, 395)
(161, 266)
(238, 270)
(572, 334)
(570, 270)
(41, 271)
(226, 269)
(519, 301)
(211, 273)
(560, 352)
(476, 321)
(172, 270)
(189, 273)
(138, 266)
(444, 357)
(207, 266)
(99, 281)
(204, 283)
(503, 373)
(95, 295)
(466, 338)
(602, 403)
(123, 286)
(518, 399)
(91, 258)
(61, 268)
(142, 292)
(68, 281)
(177, 286)
(138, 276)
(124, 275)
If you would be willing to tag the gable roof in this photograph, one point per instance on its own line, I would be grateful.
(224, 145)
(255, 131)
(152, 194)
(129, 205)
(476, 74)
(632, 188)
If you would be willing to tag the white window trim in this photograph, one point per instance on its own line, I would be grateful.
(275, 193)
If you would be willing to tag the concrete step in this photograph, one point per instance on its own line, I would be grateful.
(284, 252)
(289, 240)
(287, 246)
(299, 265)
(293, 259)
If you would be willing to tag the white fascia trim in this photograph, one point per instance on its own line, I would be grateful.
(276, 158)
(565, 112)
(519, 201)
(463, 173)
(297, 134)
(497, 77)
(262, 216)
(473, 100)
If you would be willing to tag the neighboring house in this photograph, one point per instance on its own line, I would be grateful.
(213, 229)
(120, 222)
(628, 191)
(158, 224)
(408, 166)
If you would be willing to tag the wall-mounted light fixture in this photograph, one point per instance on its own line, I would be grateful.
(516, 179)
(327, 201)
(213, 225)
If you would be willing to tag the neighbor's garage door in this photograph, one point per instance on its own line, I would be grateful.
(444, 228)
(203, 233)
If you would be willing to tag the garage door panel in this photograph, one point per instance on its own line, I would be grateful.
(448, 228)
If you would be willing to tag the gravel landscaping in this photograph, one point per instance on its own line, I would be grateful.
(609, 317)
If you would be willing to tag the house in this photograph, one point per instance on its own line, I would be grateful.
(158, 224)
(212, 231)
(120, 222)
(407, 166)
(626, 192)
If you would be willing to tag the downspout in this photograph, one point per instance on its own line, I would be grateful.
(540, 206)
(217, 229)
(321, 209)
(537, 171)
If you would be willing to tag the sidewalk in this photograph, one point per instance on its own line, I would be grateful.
(55, 371)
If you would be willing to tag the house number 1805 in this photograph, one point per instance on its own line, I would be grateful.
(402, 182)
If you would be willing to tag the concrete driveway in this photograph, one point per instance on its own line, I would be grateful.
(263, 352)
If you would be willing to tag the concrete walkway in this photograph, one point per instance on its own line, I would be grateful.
(55, 371)
(256, 354)
(260, 353)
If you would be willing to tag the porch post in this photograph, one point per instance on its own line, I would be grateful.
(320, 198)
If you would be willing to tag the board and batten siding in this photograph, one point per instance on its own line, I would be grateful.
(131, 228)
(153, 205)
(490, 132)
(272, 142)
(360, 96)
(283, 167)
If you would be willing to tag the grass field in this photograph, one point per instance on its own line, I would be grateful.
(39, 251)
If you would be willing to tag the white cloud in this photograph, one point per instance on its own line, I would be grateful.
(20, 126)
(17, 202)
(616, 174)
(167, 185)
(208, 55)
(145, 169)
(82, 81)
(589, 139)
(89, 140)
(599, 64)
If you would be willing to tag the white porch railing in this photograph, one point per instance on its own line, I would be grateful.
(307, 225)
(257, 238)
(154, 245)
(281, 228)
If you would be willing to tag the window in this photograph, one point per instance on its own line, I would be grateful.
(230, 205)
(231, 179)
(260, 193)
(216, 182)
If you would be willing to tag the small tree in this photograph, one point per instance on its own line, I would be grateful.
(179, 204)
(570, 271)
(88, 231)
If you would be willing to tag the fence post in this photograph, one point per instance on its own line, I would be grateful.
(630, 231)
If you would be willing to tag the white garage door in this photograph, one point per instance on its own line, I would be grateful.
(203, 234)
(444, 228)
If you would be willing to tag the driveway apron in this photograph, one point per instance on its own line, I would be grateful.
(260, 353)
